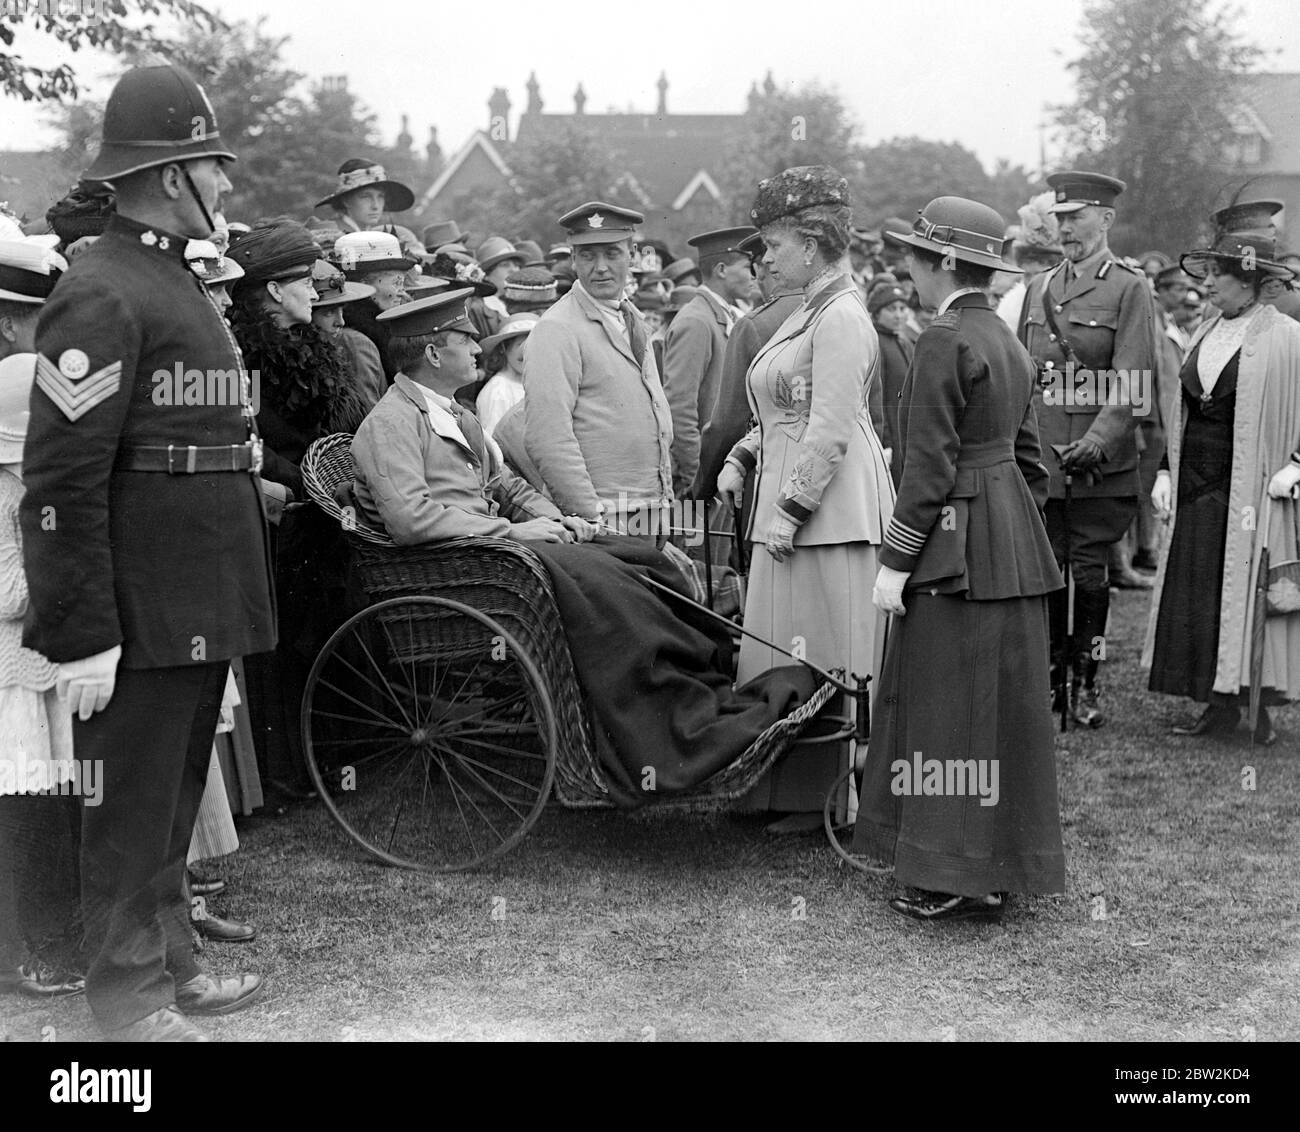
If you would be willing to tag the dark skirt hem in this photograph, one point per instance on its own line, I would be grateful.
(1040, 874)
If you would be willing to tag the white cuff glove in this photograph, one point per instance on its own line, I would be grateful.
(888, 592)
(1162, 494)
(780, 536)
(87, 684)
(1285, 482)
(731, 484)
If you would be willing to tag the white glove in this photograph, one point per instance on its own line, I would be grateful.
(780, 536)
(1162, 495)
(731, 484)
(87, 684)
(1286, 482)
(888, 591)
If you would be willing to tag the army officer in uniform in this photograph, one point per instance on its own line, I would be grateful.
(145, 545)
(1092, 315)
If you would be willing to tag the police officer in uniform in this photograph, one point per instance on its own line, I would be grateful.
(146, 545)
(1091, 314)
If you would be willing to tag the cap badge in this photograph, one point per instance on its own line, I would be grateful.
(595, 220)
(73, 364)
(148, 239)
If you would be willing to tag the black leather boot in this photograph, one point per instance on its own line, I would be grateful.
(1059, 671)
(1091, 609)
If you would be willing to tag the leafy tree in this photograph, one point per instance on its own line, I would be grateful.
(809, 126)
(902, 175)
(551, 172)
(288, 145)
(111, 25)
(1157, 90)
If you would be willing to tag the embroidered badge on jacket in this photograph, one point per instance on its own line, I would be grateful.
(70, 385)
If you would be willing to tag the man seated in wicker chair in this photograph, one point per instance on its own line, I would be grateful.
(425, 470)
(656, 673)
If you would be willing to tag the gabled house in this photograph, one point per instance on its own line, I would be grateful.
(671, 163)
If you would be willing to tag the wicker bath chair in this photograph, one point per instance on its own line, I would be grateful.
(438, 720)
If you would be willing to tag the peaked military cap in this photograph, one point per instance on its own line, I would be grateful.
(722, 240)
(597, 222)
(1075, 190)
(433, 315)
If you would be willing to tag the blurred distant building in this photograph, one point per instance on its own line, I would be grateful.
(671, 162)
(1267, 147)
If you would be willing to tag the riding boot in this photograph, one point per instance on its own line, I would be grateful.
(1058, 621)
(1091, 607)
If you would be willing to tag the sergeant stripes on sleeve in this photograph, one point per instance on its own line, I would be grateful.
(75, 399)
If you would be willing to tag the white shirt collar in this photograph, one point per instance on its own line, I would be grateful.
(957, 294)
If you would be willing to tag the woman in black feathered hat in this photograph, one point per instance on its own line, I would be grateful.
(305, 391)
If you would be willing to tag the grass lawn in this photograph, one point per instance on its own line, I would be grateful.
(668, 926)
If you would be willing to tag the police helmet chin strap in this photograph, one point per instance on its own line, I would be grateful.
(194, 192)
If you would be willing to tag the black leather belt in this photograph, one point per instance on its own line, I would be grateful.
(189, 459)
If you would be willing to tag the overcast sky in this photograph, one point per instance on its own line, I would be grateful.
(979, 72)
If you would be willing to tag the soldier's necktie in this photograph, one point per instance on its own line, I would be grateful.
(635, 333)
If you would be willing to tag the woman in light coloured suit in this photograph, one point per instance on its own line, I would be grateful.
(824, 494)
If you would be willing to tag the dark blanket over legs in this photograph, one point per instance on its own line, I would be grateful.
(656, 672)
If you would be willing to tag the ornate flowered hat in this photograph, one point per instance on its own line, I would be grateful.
(797, 188)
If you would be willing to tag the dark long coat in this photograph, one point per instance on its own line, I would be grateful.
(965, 674)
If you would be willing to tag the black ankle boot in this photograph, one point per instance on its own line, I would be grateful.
(1216, 719)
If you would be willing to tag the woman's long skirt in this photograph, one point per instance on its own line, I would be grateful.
(817, 603)
(960, 784)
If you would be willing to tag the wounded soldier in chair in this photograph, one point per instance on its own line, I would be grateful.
(425, 469)
(656, 672)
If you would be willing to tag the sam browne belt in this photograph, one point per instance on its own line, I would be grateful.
(190, 459)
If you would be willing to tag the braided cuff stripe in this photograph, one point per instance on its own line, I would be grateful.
(903, 538)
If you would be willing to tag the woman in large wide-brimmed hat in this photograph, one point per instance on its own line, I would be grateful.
(364, 195)
(960, 785)
(1229, 479)
(823, 492)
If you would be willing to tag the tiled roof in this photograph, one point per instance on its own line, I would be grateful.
(663, 152)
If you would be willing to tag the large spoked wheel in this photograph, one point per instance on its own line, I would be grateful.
(429, 733)
(853, 860)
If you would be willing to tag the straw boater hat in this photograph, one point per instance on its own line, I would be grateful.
(28, 271)
(333, 287)
(360, 173)
(518, 324)
(17, 375)
(209, 265)
(1252, 251)
(965, 229)
(360, 253)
